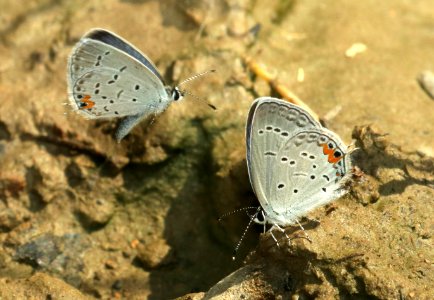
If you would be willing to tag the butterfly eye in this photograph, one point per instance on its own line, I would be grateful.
(177, 94)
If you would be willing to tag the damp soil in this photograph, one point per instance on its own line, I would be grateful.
(85, 217)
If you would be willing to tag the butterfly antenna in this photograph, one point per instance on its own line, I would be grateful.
(236, 211)
(199, 99)
(245, 231)
(195, 77)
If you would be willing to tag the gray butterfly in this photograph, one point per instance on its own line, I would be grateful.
(294, 164)
(108, 77)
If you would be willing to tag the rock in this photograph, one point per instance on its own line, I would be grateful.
(94, 212)
(192, 296)
(154, 254)
(10, 218)
(11, 186)
(248, 282)
(55, 254)
(110, 264)
(40, 252)
(38, 286)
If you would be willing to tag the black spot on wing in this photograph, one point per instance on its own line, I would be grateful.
(119, 94)
(270, 153)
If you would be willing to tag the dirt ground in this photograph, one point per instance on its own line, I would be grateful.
(83, 217)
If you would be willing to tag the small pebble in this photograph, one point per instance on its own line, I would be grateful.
(355, 49)
(426, 81)
(300, 75)
(117, 285)
(109, 264)
(126, 254)
(134, 243)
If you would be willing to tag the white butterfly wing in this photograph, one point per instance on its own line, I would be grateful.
(270, 125)
(106, 81)
(307, 172)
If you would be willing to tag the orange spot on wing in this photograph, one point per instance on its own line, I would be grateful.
(330, 153)
(333, 159)
(326, 150)
(89, 103)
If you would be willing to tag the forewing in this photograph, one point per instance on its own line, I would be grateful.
(116, 41)
(270, 124)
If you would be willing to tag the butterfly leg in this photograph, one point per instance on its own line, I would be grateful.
(154, 116)
(305, 233)
(272, 235)
(352, 147)
(127, 124)
(283, 231)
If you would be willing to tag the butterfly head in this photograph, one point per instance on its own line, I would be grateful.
(177, 94)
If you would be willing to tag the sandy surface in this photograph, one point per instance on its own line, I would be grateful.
(84, 217)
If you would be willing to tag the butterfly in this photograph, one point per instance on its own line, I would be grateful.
(110, 78)
(295, 165)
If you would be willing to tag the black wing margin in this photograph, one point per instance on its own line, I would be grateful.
(117, 42)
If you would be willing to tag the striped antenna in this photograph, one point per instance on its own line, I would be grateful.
(252, 218)
(183, 92)
(195, 77)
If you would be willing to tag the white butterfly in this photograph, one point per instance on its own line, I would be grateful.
(108, 77)
(295, 165)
